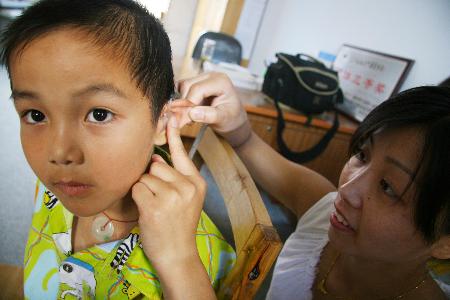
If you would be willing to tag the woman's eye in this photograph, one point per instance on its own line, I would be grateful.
(99, 115)
(386, 187)
(33, 116)
(361, 156)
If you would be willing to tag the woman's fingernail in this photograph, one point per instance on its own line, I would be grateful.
(196, 114)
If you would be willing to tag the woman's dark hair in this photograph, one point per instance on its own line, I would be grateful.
(136, 37)
(427, 108)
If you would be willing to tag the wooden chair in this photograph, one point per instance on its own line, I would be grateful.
(257, 243)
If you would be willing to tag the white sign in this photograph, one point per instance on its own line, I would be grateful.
(367, 78)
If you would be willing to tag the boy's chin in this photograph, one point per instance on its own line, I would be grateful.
(81, 208)
(82, 213)
(92, 204)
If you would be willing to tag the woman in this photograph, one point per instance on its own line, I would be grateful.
(373, 236)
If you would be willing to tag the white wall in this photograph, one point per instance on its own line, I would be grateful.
(415, 29)
(17, 182)
(178, 24)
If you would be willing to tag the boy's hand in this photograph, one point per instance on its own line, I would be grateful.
(210, 98)
(170, 201)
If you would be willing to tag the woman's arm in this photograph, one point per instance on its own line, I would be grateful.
(295, 186)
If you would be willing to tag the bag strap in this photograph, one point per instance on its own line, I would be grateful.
(311, 153)
(298, 70)
(299, 56)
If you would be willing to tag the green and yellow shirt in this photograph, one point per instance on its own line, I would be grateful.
(114, 270)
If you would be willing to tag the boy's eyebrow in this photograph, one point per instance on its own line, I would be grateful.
(17, 95)
(102, 87)
(92, 89)
(399, 165)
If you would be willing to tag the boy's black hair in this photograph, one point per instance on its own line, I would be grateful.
(428, 109)
(135, 36)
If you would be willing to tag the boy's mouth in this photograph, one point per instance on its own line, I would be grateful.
(72, 188)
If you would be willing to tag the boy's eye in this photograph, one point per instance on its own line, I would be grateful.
(99, 115)
(33, 116)
(386, 187)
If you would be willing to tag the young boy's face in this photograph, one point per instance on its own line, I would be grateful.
(86, 128)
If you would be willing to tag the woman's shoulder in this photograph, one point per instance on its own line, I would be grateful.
(311, 233)
(295, 269)
(317, 216)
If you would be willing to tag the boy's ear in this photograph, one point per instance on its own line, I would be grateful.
(441, 248)
(160, 133)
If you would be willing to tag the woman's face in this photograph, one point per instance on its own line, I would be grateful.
(374, 214)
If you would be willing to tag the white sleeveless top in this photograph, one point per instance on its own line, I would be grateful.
(295, 269)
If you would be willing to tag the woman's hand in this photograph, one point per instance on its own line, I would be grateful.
(170, 202)
(211, 98)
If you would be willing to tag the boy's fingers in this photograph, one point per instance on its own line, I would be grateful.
(164, 172)
(142, 196)
(180, 159)
(157, 186)
(158, 158)
(180, 108)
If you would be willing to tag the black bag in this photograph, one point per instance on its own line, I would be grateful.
(307, 85)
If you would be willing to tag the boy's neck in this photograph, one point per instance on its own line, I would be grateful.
(123, 210)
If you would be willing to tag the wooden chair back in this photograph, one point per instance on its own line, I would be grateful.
(256, 240)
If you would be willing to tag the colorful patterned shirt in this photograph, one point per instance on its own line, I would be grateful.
(114, 270)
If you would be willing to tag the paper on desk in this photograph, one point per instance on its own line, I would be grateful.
(15, 3)
(240, 76)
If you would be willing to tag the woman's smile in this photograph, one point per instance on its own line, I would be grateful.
(339, 222)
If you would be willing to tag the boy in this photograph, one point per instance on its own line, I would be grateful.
(90, 80)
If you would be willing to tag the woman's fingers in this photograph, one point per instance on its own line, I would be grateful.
(214, 100)
(207, 114)
(204, 86)
(184, 85)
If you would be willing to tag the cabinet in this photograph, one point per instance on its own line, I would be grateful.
(299, 137)
(299, 134)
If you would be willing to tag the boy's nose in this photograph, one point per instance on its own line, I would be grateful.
(64, 148)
